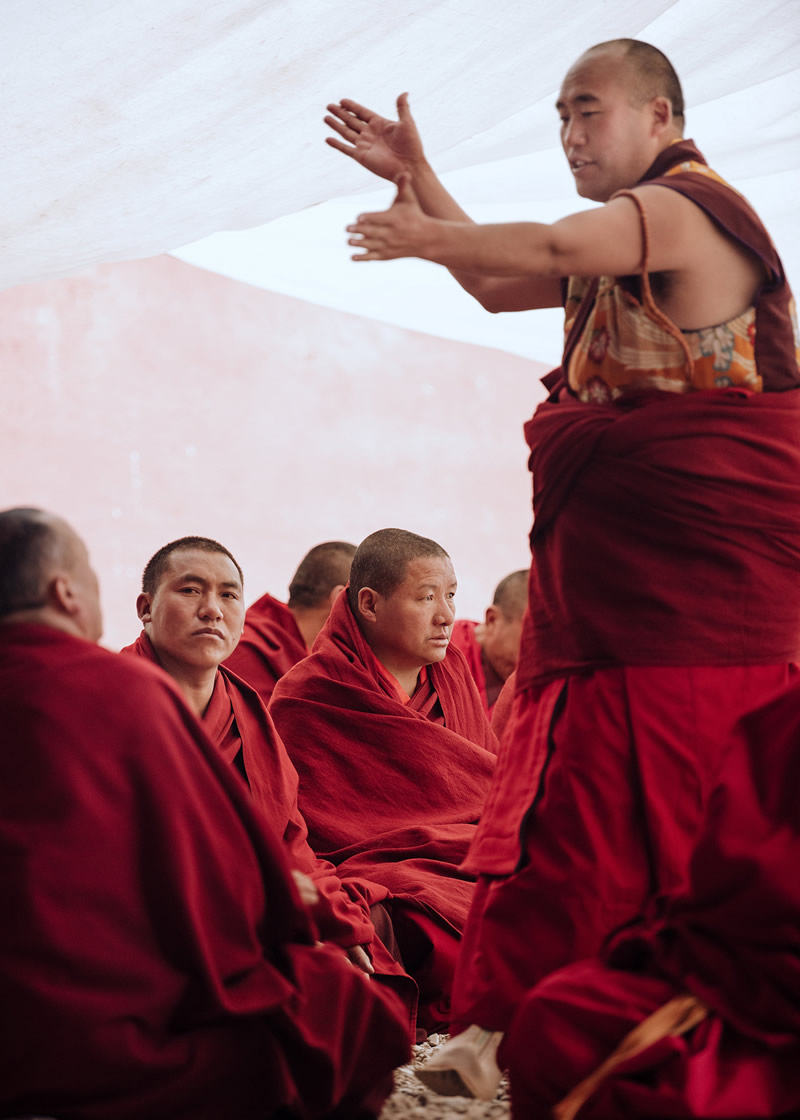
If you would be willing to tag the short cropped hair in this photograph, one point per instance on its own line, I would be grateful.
(157, 565)
(324, 567)
(653, 72)
(511, 594)
(30, 545)
(382, 559)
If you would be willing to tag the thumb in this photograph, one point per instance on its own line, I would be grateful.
(403, 111)
(405, 191)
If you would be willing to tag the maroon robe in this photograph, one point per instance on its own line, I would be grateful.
(270, 645)
(387, 793)
(664, 603)
(732, 940)
(140, 977)
(237, 721)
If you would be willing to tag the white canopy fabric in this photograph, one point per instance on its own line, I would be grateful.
(129, 130)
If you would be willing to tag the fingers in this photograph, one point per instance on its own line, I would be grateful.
(340, 147)
(403, 111)
(344, 129)
(357, 110)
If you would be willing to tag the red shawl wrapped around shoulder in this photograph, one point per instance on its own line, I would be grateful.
(463, 638)
(269, 646)
(666, 532)
(386, 793)
(236, 720)
(155, 959)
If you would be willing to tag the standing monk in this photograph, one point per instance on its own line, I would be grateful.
(192, 610)
(277, 635)
(393, 749)
(155, 957)
(491, 647)
(664, 597)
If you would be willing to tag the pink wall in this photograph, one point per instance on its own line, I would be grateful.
(151, 399)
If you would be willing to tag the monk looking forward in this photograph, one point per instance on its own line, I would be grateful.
(664, 598)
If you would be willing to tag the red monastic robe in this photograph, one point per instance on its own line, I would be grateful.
(155, 959)
(270, 645)
(387, 793)
(664, 603)
(732, 940)
(237, 721)
(463, 638)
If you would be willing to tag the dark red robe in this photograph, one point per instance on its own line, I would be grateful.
(140, 976)
(270, 645)
(664, 603)
(387, 793)
(732, 940)
(237, 721)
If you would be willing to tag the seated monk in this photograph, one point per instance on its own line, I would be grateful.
(393, 749)
(695, 1009)
(192, 610)
(155, 957)
(491, 647)
(277, 635)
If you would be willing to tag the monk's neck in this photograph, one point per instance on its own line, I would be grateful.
(408, 679)
(197, 685)
(309, 622)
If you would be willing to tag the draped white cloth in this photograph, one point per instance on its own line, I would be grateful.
(131, 129)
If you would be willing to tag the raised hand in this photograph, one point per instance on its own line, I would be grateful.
(403, 230)
(384, 147)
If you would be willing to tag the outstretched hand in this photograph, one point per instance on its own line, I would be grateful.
(404, 230)
(387, 148)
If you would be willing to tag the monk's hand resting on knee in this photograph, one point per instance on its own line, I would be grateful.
(358, 956)
(404, 230)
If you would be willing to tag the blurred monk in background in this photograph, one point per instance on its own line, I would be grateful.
(156, 959)
(491, 647)
(277, 635)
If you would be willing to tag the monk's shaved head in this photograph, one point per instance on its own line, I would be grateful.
(322, 568)
(381, 560)
(511, 594)
(158, 565)
(650, 71)
(33, 544)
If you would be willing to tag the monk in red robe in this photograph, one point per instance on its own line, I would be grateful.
(695, 1009)
(277, 635)
(394, 752)
(140, 974)
(491, 647)
(192, 610)
(664, 598)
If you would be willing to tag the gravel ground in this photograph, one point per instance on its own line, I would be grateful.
(411, 1100)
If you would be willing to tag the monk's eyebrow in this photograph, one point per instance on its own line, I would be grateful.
(189, 578)
(582, 99)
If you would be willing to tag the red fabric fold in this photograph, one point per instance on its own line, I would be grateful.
(155, 959)
(665, 533)
(386, 793)
(463, 638)
(237, 720)
(270, 645)
(731, 938)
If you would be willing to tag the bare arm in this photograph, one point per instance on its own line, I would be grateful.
(393, 148)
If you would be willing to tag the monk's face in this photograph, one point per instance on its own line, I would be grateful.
(412, 625)
(501, 640)
(608, 139)
(196, 614)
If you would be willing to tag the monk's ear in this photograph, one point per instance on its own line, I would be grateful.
(61, 594)
(335, 592)
(661, 108)
(143, 607)
(492, 614)
(367, 602)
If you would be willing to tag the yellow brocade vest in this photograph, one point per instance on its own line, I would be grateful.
(628, 344)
